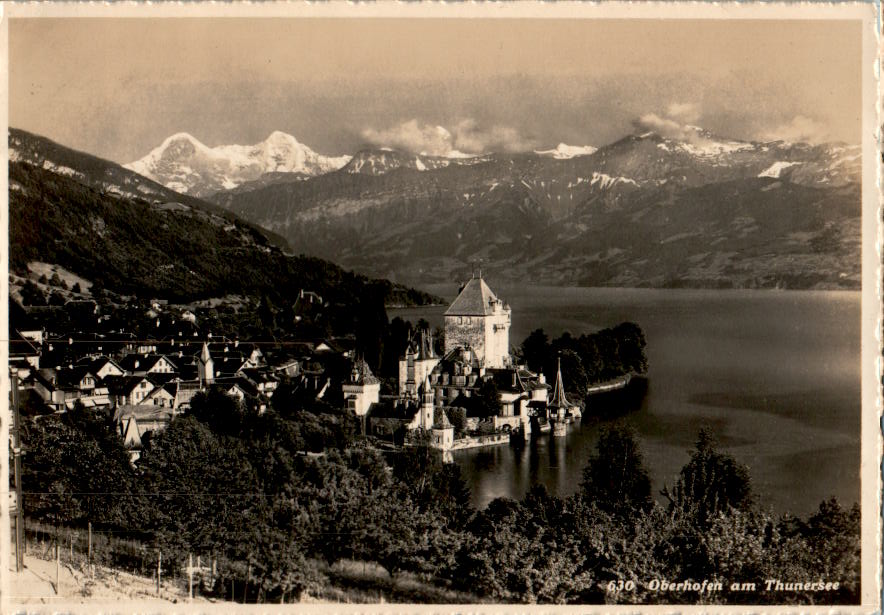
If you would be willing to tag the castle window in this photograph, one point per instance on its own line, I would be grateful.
(460, 320)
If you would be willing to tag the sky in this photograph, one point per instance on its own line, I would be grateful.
(117, 88)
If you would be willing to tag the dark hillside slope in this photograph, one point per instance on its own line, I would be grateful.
(169, 250)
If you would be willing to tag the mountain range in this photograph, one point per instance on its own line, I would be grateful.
(186, 165)
(655, 210)
(131, 236)
(651, 210)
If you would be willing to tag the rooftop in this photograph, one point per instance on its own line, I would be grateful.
(475, 299)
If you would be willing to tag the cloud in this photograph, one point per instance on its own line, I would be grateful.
(685, 112)
(668, 128)
(470, 137)
(466, 137)
(799, 129)
(413, 137)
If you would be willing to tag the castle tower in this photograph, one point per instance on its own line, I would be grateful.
(419, 361)
(427, 405)
(206, 366)
(443, 432)
(479, 320)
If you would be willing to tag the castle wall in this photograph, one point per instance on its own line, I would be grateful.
(465, 331)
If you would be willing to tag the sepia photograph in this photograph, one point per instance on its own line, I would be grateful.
(311, 306)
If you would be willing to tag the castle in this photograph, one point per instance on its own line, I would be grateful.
(476, 350)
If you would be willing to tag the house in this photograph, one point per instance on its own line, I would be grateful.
(128, 390)
(263, 378)
(242, 389)
(142, 364)
(102, 366)
(182, 392)
(23, 354)
(162, 396)
(290, 368)
(79, 378)
(133, 423)
(21, 321)
(362, 389)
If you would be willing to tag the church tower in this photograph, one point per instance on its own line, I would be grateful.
(478, 320)
(206, 366)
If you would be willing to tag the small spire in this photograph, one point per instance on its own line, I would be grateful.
(205, 356)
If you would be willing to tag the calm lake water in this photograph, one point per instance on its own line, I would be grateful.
(776, 375)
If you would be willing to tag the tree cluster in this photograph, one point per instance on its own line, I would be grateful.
(589, 358)
(237, 486)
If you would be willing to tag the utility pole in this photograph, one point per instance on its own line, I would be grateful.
(190, 575)
(57, 562)
(159, 569)
(16, 453)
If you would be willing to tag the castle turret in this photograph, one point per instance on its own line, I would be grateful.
(416, 365)
(362, 390)
(443, 432)
(427, 405)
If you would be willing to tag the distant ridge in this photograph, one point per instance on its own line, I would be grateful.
(690, 209)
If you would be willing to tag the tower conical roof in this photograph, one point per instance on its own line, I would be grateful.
(558, 399)
(205, 356)
(442, 422)
(475, 299)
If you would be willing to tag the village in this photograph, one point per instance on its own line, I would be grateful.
(442, 399)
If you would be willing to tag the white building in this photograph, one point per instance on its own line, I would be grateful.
(362, 390)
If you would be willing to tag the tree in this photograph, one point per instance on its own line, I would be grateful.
(76, 288)
(395, 345)
(458, 419)
(535, 350)
(615, 477)
(439, 341)
(710, 483)
(221, 412)
(267, 313)
(31, 294)
(204, 493)
(71, 476)
(631, 345)
(487, 399)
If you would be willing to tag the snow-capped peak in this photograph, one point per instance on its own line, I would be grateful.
(183, 163)
(564, 151)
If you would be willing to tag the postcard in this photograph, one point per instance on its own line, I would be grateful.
(523, 307)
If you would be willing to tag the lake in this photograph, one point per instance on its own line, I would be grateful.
(774, 374)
